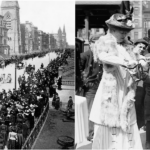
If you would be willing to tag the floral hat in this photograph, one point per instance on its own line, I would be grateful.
(120, 21)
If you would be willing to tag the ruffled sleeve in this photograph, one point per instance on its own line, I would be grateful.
(106, 52)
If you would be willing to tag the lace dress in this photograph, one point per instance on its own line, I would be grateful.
(114, 117)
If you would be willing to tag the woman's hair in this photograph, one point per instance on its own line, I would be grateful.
(113, 28)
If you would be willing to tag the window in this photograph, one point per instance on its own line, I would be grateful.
(136, 2)
(8, 20)
(135, 35)
(148, 24)
(5, 34)
(136, 11)
(136, 22)
(0, 40)
(5, 42)
(145, 24)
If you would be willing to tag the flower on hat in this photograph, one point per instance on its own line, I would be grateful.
(129, 23)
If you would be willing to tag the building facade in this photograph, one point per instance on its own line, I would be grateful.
(52, 41)
(146, 17)
(35, 39)
(23, 41)
(137, 33)
(10, 11)
(4, 48)
(60, 37)
(40, 40)
(45, 41)
(29, 37)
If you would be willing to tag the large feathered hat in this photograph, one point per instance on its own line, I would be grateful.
(120, 21)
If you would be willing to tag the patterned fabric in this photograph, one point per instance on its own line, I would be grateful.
(117, 88)
(115, 139)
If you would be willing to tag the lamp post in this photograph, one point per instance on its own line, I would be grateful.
(16, 75)
(15, 58)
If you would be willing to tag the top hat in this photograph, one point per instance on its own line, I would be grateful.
(120, 21)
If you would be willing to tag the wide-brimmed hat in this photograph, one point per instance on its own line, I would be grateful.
(141, 41)
(120, 21)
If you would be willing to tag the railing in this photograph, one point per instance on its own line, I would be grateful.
(68, 81)
(34, 133)
(68, 68)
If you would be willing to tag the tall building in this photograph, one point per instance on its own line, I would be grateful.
(45, 41)
(23, 41)
(146, 17)
(35, 39)
(137, 33)
(10, 11)
(52, 41)
(29, 36)
(60, 37)
(4, 48)
(40, 40)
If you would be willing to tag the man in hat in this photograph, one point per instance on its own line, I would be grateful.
(142, 102)
(139, 50)
(113, 110)
(92, 72)
(140, 46)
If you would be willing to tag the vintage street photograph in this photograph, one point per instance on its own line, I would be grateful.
(37, 74)
(112, 102)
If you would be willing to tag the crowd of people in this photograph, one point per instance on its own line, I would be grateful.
(19, 109)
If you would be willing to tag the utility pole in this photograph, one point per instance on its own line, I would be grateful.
(16, 59)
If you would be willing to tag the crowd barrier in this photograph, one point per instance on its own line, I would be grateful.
(34, 133)
(68, 81)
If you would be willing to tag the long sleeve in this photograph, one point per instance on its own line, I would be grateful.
(106, 50)
(111, 59)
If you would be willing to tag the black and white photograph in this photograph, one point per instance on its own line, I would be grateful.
(112, 102)
(37, 74)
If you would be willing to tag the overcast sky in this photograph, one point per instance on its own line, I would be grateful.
(49, 15)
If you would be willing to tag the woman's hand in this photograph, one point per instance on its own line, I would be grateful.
(131, 103)
(130, 64)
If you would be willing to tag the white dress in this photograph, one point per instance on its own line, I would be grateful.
(114, 117)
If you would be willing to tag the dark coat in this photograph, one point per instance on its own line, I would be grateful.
(91, 71)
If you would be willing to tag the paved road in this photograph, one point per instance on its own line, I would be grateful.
(10, 69)
(54, 126)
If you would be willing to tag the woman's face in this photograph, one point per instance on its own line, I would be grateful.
(120, 35)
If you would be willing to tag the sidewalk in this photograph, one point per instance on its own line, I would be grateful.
(54, 126)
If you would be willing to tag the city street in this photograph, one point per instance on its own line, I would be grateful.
(10, 69)
(54, 125)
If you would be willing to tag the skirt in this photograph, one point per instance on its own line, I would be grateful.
(114, 138)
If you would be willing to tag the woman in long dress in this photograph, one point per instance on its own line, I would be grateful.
(113, 110)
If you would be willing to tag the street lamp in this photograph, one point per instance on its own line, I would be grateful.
(16, 74)
(15, 56)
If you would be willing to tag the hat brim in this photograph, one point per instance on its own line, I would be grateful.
(141, 41)
(118, 25)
